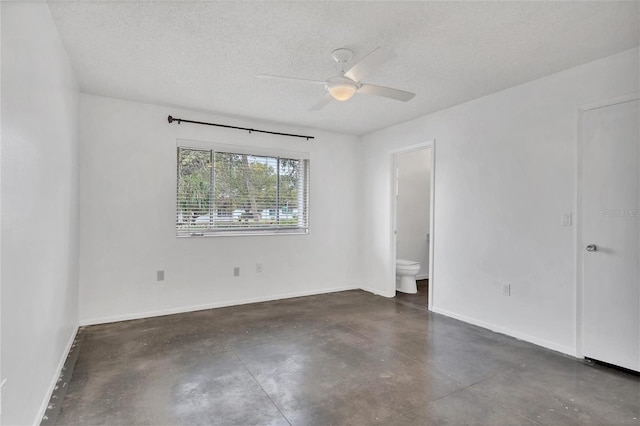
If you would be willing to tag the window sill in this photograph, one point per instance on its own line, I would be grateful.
(252, 233)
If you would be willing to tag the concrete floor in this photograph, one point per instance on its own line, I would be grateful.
(419, 299)
(340, 358)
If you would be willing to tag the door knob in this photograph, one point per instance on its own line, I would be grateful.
(592, 247)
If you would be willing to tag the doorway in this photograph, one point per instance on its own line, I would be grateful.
(609, 233)
(412, 215)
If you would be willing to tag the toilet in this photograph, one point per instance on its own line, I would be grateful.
(406, 271)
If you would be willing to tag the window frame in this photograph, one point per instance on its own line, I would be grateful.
(244, 150)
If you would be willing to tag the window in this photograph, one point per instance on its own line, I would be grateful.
(227, 193)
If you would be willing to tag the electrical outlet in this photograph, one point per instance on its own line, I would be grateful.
(236, 271)
(258, 267)
(160, 276)
(506, 289)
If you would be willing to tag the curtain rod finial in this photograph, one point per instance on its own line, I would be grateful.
(170, 119)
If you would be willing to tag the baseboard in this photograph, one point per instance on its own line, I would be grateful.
(54, 380)
(422, 277)
(192, 308)
(378, 292)
(509, 332)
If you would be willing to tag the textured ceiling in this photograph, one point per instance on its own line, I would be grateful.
(205, 54)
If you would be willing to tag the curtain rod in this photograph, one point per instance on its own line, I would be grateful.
(180, 120)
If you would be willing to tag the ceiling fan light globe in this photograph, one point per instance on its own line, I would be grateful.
(342, 91)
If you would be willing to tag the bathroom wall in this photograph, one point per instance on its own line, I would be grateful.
(413, 207)
(505, 172)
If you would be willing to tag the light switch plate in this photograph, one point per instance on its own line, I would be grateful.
(506, 289)
(565, 219)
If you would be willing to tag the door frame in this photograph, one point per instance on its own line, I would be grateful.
(431, 144)
(579, 240)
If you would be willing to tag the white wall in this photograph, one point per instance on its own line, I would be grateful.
(1, 382)
(127, 218)
(413, 207)
(505, 170)
(39, 209)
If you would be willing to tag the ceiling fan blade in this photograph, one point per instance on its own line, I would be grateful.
(369, 63)
(278, 77)
(387, 92)
(321, 103)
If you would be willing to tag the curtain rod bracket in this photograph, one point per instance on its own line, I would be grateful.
(170, 119)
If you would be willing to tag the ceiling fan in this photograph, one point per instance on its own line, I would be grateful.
(346, 83)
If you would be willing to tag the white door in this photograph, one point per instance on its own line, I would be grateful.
(611, 234)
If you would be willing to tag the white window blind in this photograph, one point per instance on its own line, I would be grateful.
(226, 193)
